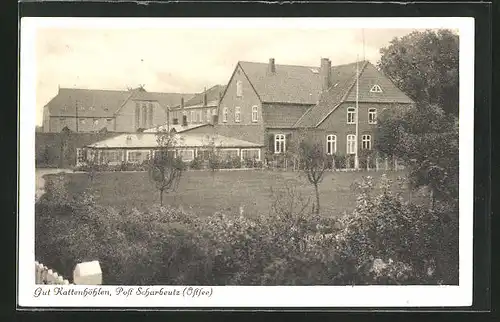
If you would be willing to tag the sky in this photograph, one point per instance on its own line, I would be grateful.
(182, 59)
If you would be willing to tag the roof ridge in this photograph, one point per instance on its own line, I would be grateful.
(304, 66)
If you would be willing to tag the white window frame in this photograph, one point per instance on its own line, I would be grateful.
(279, 138)
(96, 121)
(107, 152)
(200, 116)
(255, 113)
(214, 111)
(351, 111)
(238, 154)
(372, 115)
(224, 114)
(208, 115)
(237, 114)
(331, 142)
(366, 142)
(81, 156)
(147, 152)
(239, 88)
(351, 143)
(180, 153)
(241, 153)
(193, 116)
(376, 89)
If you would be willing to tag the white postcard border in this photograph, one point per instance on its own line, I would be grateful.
(247, 296)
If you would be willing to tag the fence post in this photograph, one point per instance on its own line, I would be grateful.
(333, 163)
(377, 166)
(87, 273)
(367, 163)
(386, 164)
(395, 163)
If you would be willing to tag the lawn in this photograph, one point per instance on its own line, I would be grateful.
(227, 191)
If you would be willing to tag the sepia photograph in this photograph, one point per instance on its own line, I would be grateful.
(226, 153)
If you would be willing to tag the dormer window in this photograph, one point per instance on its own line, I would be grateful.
(376, 89)
(91, 108)
(315, 70)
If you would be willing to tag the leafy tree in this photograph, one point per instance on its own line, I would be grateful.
(424, 65)
(165, 168)
(314, 164)
(426, 139)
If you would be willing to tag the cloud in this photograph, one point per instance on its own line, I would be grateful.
(184, 60)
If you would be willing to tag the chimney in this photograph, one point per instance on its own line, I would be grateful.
(184, 120)
(271, 67)
(205, 97)
(326, 73)
(182, 102)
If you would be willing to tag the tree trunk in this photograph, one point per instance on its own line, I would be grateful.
(317, 198)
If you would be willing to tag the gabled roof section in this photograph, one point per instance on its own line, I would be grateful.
(90, 102)
(289, 84)
(104, 103)
(343, 79)
(390, 93)
(213, 97)
(343, 89)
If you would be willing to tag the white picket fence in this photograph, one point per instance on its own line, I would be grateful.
(87, 273)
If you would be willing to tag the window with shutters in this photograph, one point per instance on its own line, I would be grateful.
(200, 116)
(208, 115)
(372, 116)
(351, 115)
(239, 88)
(255, 113)
(193, 117)
(237, 114)
(331, 144)
(214, 111)
(366, 142)
(279, 143)
(224, 115)
(351, 144)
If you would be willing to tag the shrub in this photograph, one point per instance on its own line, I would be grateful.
(196, 163)
(384, 241)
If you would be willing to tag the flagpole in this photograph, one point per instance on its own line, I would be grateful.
(356, 159)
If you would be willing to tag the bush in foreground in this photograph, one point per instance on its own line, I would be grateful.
(385, 241)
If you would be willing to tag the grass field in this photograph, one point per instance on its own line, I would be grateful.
(226, 191)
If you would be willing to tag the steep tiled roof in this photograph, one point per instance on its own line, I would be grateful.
(343, 89)
(343, 78)
(212, 97)
(282, 115)
(91, 102)
(104, 103)
(148, 140)
(288, 84)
